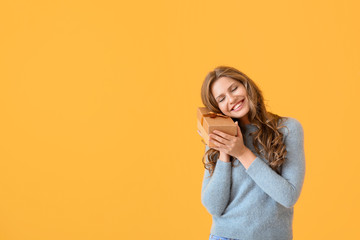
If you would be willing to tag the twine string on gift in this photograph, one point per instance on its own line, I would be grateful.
(212, 115)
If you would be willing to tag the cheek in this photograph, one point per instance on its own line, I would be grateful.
(222, 107)
(247, 105)
(242, 92)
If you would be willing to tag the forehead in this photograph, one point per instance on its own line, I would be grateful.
(221, 85)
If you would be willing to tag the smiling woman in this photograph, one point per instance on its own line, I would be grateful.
(225, 87)
(261, 191)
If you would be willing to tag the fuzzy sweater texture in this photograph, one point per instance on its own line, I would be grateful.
(256, 203)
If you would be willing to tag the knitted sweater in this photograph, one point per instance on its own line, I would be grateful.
(256, 203)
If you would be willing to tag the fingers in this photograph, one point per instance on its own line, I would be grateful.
(218, 141)
(223, 135)
(218, 149)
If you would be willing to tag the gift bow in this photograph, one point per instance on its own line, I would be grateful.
(212, 115)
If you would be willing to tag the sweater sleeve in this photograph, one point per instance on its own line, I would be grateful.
(284, 189)
(215, 192)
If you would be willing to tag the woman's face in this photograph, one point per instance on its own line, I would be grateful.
(228, 93)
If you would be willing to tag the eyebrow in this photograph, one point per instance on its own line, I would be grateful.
(222, 93)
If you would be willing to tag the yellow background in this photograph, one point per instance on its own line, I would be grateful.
(98, 111)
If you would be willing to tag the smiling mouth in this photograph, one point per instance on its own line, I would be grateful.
(238, 105)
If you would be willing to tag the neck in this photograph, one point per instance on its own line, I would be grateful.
(244, 121)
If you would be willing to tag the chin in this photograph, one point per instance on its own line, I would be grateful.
(240, 114)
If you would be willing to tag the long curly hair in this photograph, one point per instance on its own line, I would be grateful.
(268, 124)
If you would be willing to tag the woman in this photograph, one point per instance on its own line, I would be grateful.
(253, 180)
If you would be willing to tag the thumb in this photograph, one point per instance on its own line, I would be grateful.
(238, 129)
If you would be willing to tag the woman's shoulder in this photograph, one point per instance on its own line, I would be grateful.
(292, 126)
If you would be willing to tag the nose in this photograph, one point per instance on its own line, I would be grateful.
(231, 99)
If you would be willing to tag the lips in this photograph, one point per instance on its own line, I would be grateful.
(237, 104)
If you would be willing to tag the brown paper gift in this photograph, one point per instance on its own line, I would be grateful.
(208, 121)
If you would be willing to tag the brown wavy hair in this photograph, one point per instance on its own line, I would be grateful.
(268, 124)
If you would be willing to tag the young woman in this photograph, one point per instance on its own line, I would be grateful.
(253, 180)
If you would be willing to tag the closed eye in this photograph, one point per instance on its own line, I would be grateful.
(231, 90)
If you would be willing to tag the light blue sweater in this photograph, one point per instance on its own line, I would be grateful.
(256, 203)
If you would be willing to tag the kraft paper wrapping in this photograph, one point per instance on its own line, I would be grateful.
(208, 121)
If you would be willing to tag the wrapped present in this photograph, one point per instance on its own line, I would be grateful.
(208, 121)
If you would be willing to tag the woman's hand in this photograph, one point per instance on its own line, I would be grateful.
(228, 144)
